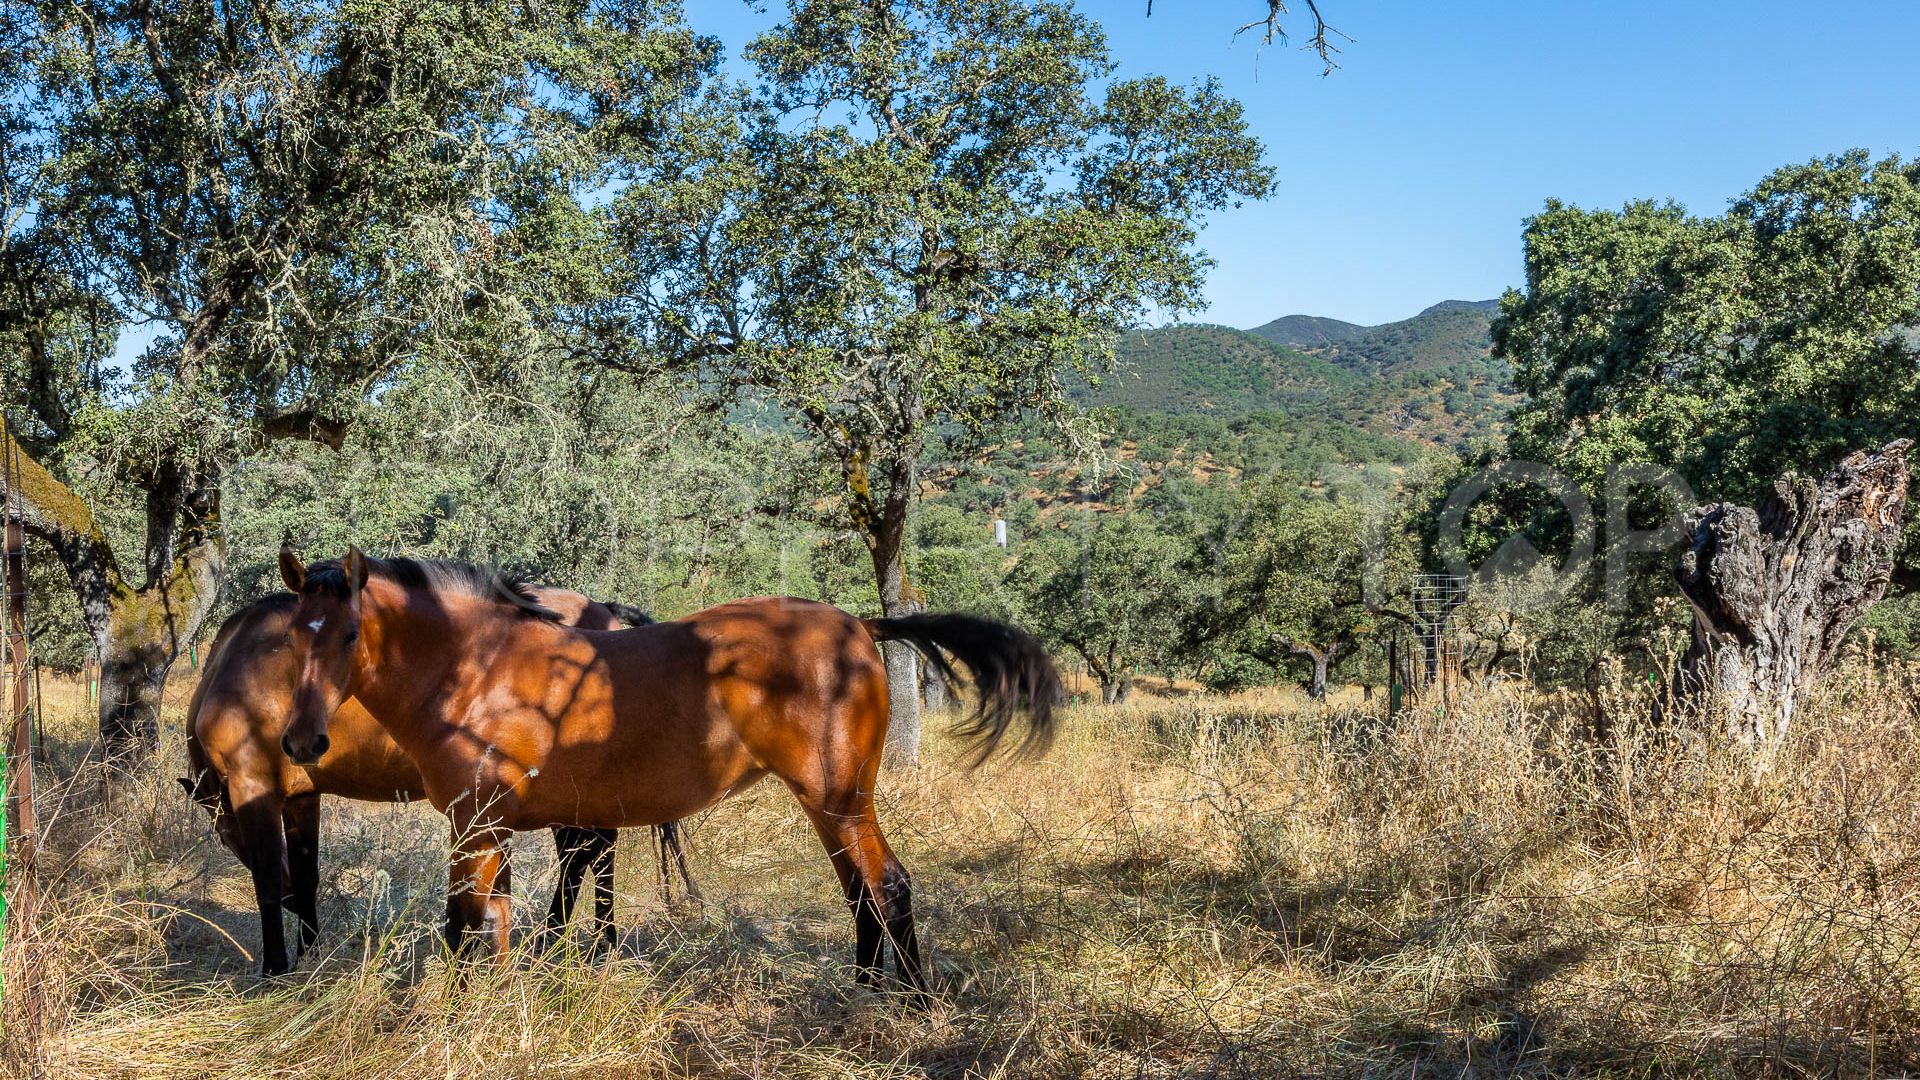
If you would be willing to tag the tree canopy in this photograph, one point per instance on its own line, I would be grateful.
(924, 217)
(1770, 339)
(295, 198)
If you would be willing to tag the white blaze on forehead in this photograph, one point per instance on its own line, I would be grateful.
(316, 624)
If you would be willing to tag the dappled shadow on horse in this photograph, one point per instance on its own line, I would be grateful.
(266, 809)
(520, 722)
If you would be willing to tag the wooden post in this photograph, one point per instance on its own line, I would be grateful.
(20, 823)
(1393, 674)
(21, 889)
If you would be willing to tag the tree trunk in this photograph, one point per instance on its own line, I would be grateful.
(146, 632)
(934, 696)
(1115, 689)
(1775, 590)
(886, 533)
(1322, 660)
(138, 631)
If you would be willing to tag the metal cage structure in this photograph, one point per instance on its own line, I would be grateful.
(1424, 658)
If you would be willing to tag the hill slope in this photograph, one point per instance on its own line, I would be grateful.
(1308, 331)
(1448, 333)
(1431, 378)
(1218, 370)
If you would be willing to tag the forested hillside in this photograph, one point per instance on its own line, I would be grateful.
(1448, 334)
(1431, 378)
(1217, 369)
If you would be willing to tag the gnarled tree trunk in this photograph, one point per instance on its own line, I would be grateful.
(138, 630)
(1775, 589)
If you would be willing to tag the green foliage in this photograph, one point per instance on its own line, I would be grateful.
(1183, 369)
(1733, 348)
(296, 199)
(1110, 588)
(1304, 570)
(1450, 334)
(566, 471)
(1431, 377)
(59, 639)
(957, 566)
(302, 197)
(922, 218)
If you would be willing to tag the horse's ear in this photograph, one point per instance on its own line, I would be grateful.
(291, 570)
(356, 567)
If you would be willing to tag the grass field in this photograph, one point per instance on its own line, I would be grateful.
(1192, 887)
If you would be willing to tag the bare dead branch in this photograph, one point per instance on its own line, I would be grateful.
(1271, 30)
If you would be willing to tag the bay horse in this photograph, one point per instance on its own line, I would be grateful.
(266, 809)
(519, 722)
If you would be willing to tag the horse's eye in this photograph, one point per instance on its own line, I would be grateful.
(352, 636)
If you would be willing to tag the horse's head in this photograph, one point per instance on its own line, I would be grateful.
(325, 640)
(207, 790)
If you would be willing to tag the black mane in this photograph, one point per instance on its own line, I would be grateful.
(436, 576)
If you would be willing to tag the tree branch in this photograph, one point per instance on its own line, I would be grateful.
(51, 511)
(306, 424)
(1272, 31)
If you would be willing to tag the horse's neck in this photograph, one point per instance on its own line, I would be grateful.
(420, 648)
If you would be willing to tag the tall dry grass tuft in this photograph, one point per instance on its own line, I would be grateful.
(1212, 887)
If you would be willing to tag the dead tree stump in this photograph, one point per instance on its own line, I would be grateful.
(1775, 589)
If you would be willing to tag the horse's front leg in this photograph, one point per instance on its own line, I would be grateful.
(263, 847)
(302, 818)
(479, 892)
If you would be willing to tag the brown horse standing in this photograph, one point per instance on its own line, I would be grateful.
(266, 809)
(519, 723)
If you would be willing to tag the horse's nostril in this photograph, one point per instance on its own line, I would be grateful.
(320, 744)
(286, 744)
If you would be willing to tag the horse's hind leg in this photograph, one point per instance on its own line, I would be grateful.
(897, 888)
(572, 845)
(879, 890)
(302, 817)
(866, 913)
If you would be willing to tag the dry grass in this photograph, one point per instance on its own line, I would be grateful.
(1193, 887)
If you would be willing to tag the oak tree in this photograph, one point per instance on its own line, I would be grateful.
(292, 198)
(917, 224)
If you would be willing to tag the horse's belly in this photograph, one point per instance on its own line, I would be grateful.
(616, 787)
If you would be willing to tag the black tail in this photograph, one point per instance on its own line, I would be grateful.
(629, 614)
(1011, 672)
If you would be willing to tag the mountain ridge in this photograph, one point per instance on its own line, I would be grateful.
(1302, 331)
(1431, 377)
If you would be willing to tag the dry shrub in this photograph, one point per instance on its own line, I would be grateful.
(1209, 887)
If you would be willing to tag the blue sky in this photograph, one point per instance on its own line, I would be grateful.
(1406, 174)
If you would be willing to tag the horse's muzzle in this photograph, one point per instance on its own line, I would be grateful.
(313, 751)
